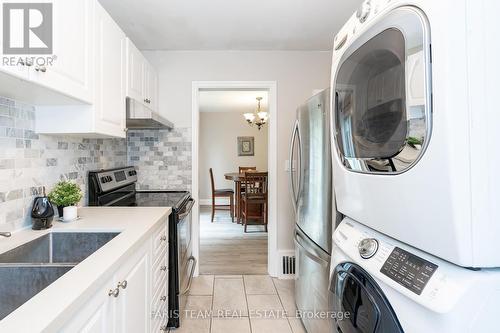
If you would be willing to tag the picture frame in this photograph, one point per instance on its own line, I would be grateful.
(246, 146)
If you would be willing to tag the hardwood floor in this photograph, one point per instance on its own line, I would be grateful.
(226, 249)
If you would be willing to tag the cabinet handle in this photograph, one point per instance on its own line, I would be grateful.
(163, 298)
(114, 292)
(42, 69)
(163, 238)
(122, 284)
(163, 268)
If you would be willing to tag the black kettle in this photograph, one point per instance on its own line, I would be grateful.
(42, 213)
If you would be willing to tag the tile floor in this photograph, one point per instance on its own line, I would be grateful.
(240, 304)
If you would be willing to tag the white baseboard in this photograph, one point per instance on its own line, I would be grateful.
(218, 201)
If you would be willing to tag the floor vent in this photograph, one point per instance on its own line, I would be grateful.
(288, 265)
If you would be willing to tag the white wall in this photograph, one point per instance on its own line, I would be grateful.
(218, 148)
(297, 74)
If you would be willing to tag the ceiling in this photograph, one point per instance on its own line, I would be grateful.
(231, 24)
(231, 101)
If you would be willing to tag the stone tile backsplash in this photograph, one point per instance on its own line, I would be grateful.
(29, 161)
(162, 158)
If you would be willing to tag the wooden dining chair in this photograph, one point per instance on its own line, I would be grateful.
(255, 195)
(221, 193)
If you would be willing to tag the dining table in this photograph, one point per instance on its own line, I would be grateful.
(237, 178)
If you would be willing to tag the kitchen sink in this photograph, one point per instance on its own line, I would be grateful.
(31, 267)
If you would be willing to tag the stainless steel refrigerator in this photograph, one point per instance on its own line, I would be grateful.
(311, 187)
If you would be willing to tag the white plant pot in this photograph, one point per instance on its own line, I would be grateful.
(70, 213)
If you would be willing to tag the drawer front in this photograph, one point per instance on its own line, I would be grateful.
(160, 242)
(159, 309)
(159, 274)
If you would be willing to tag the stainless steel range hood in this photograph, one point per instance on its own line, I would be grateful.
(140, 116)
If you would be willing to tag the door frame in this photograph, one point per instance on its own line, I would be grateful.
(271, 87)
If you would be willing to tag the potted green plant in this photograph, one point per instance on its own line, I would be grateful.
(65, 195)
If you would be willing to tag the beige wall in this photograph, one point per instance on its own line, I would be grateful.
(297, 74)
(218, 148)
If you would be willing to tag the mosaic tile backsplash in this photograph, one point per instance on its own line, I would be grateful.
(29, 161)
(162, 158)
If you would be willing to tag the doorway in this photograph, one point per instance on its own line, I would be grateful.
(222, 246)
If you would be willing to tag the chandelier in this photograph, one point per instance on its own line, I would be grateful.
(258, 118)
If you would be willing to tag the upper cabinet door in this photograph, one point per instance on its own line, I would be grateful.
(136, 64)
(110, 74)
(70, 72)
(150, 86)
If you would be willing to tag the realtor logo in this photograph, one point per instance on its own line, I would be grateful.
(27, 28)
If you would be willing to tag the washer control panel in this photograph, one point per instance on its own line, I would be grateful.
(409, 270)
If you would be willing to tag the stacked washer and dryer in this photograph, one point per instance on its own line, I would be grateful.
(414, 128)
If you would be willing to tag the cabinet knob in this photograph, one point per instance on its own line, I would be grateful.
(122, 284)
(163, 268)
(114, 292)
(163, 298)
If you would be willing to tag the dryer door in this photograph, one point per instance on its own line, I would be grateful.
(359, 303)
(382, 95)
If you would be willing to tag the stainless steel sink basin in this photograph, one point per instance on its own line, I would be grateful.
(31, 267)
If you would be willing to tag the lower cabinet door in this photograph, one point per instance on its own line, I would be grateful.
(96, 317)
(133, 308)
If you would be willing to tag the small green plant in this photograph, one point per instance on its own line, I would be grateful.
(413, 141)
(65, 193)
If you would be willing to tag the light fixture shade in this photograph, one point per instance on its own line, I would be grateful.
(249, 117)
(262, 115)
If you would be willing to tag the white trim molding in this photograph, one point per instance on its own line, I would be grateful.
(271, 87)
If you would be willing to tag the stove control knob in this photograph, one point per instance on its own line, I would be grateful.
(368, 247)
(363, 11)
(103, 180)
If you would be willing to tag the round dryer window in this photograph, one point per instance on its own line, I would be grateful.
(382, 95)
(364, 306)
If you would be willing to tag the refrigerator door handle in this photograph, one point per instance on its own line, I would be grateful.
(291, 154)
(309, 251)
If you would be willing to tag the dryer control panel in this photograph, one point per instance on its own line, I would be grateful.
(409, 270)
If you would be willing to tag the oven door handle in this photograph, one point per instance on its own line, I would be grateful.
(187, 210)
(191, 275)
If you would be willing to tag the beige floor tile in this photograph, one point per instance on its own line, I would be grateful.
(229, 276)
(230, 325)
(286, 293)
(199, 303)
(259, 285)
(270, 325)
(194, 326)
(202, 285)
(229, 298)
(258, 305)
(296, 325)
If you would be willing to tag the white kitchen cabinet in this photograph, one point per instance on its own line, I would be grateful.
(133, 307)
(128, 302)
(136, 71)
(96, 316)
(105, 117)
(109, 101)
(71, 71)
(142, 78)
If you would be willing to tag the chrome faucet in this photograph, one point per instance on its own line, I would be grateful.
(5, 234)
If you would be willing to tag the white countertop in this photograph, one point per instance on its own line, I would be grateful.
(50, 308)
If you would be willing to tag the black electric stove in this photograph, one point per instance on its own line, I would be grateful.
(117, 187)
